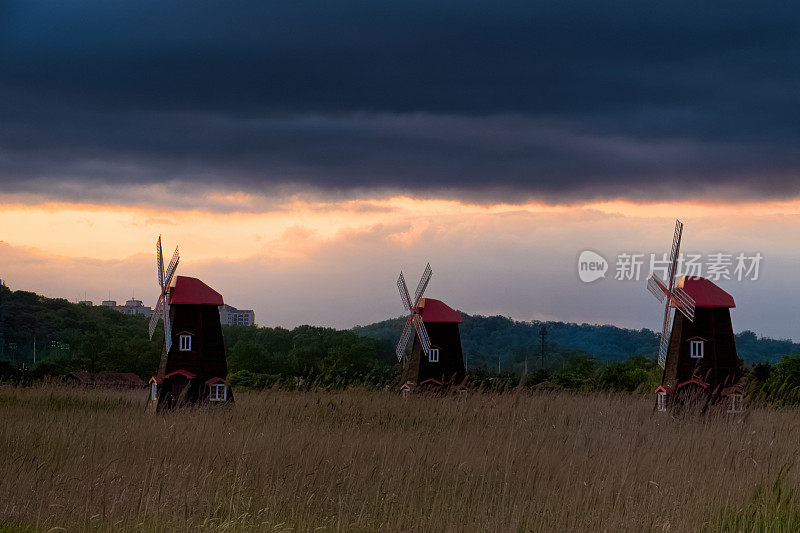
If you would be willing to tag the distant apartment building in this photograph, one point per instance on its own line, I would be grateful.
(135, 307)
(131, 307)
(236, 317)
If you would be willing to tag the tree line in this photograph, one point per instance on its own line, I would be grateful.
(502, 354)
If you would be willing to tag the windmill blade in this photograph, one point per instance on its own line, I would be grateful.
(155, 316)
(408, 332)
(683, 303)
(173, 264)
(663, 346)
(160, 263)
(657, 287)
(401, 286)
(424, 340)
(423, 284)
(675, 252)
(167, 328)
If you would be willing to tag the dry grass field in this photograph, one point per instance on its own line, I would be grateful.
(366, 461)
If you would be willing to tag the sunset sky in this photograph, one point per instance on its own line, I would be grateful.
(302, 153)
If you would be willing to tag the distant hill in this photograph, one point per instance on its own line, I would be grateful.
(485, 338)
(91, 338)
(68, 337)
(71, 337)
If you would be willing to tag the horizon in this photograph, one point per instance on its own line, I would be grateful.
(98, 303)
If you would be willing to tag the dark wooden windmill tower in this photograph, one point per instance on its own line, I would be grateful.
(436, 358)
(698, 353)
(193, 367)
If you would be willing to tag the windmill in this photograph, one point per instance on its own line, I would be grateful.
(161, 310)
(675, 296)
(193, 369)
(436, 358)
(697, 349)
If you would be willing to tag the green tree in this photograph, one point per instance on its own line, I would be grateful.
(783, 384)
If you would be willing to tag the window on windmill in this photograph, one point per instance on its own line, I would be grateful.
(218, 392)
(433, 355)
(185, 343)
(661, 398)
(154, 391)
(696, 349)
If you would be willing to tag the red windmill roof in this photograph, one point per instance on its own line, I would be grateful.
(437, 311)
(192, 291)
(705, 293)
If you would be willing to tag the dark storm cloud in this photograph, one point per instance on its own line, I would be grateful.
(561, 100)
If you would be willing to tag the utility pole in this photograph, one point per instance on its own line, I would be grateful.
(34, 348)
(543, 333)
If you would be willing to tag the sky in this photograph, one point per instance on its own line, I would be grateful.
(302, 153)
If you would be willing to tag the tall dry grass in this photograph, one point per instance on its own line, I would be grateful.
(367, 461)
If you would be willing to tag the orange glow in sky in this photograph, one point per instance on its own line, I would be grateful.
(334, 261)
(116, 232)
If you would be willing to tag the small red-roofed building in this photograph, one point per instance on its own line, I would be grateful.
(444, 365)
(194, 369)
(702, 361)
